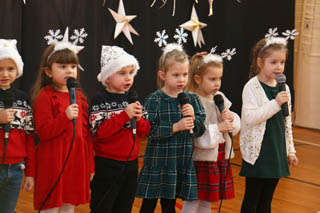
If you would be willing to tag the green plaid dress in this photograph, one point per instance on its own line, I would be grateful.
(168, 170)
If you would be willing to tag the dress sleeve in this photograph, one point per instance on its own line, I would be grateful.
(160, 129)
(47, 125)
(200, 116)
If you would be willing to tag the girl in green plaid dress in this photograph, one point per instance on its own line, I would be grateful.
(168, 172)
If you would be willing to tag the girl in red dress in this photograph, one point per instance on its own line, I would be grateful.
(53, 115)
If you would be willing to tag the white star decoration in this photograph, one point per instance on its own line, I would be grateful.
(122, 24)
(195, 26)
(24, 1)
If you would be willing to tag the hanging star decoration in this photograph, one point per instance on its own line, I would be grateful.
(122, 23)
(195, 26)
(24, 1)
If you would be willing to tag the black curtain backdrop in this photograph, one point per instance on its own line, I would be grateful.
(233, 24)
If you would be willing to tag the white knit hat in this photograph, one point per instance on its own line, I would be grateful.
(8, 49)
(113, 59)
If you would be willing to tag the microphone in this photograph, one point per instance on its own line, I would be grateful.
(281, 83)
(183, 99)
(218, 100)
(7, 98)
(132, 98)
(72, 85)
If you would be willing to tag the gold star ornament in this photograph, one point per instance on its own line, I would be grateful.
(122, 23)
(195, 26)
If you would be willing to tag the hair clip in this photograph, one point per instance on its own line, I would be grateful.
(55, 36)
(272, 37)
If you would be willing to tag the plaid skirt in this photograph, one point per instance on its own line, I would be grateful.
(211, 177)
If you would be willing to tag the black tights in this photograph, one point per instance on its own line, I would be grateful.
(167, 205)
(258, 195)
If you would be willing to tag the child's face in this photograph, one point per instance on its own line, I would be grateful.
(176, 77)
(8, 73)
(121, 81)
(59, 73)
(209, 83)
(272, 65)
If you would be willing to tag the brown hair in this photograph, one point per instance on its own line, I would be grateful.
(260, 51)
(198, 67)
(64, 56)
(166, 60)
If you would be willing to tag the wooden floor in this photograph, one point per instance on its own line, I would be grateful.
(299, 193)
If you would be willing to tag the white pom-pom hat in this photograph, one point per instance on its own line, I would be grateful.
(8, 50)
(113, 59)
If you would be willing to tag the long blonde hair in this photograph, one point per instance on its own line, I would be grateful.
(261, 51)
(198, 67)
(64, 56)
(166, 60)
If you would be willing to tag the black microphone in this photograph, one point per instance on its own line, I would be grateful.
(281, 83)
(218, 100)
(132, 98)
(7, 98)
(72, 85)
(183, 99)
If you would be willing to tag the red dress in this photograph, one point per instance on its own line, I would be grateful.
(55, 131)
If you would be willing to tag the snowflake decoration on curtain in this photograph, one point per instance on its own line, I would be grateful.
(161, 38)
(271, 33)
(79, 36)
(290, 34)
(53, 36)
(228, 54)
(180, 36)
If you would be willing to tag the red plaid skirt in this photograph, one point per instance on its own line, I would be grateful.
(211, 176)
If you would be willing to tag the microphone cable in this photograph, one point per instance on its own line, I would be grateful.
(228, 166)
(121, 173)
(63, 167)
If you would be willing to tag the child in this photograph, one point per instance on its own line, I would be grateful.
(19, 149)
(53, 115)
(168, 172)
(212, 150)
(266, 140)
(116, 152)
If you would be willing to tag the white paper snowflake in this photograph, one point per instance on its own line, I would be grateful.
(271, 33)
(161, 38)
(290, 34)
(180, 36)
(228, 53)
(79, 36)
(53, 36)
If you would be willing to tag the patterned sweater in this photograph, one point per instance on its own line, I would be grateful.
(21, 144)
(111, 127)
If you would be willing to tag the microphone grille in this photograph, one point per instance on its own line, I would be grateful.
(71, 83)
(218, 100)
(281, 78)
(132, 96)
(182, 98)
(8, 98)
